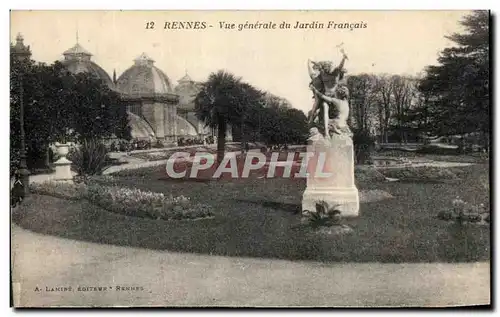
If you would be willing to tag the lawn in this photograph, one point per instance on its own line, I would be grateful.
(463, 158)
(259, 218)
(165, 153)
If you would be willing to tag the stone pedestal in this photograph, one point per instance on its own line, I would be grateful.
(330, 177)
(63, 165)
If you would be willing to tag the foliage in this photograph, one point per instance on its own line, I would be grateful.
(363, 99)
(450, 98)
(364, 145)
(436, 149)
(44, 115)
(60, 106)
(131, 202)
(385, 105)
(96, 111)
(253, 115)
(62, 190)
(15, 160)
(325, 216)
(458, 88)
(89, 158)
(223, 100)
(282, 125)
(367, 174)
(464, 212)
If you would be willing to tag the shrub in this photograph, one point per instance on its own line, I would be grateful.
(128, 201)
(364, 145)
(463, 212)
(59, 189)
(102, 179)
(323, 216)
(436, 149)
(90, 158)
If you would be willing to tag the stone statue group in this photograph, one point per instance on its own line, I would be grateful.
(331, 98)
(330, 180)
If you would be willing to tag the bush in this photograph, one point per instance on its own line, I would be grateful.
(90, 158)
(128, 201)
(463, 212)
(436, 149)
(364, 145)
(59, 189)
(323, 216)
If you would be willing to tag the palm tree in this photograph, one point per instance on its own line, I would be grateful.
(221, 101)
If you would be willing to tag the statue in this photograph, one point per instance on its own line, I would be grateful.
(314, 135)
(330, 165)
(340, 101)
(333, 97)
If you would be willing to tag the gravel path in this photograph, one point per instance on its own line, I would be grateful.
(155, 278)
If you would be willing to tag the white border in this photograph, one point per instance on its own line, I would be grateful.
(177, 5)
(255, 5)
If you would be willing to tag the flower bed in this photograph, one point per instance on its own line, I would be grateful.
(59, 190)
(464, 212)
(128, 201)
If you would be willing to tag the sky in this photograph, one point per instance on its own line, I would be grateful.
(274, 60)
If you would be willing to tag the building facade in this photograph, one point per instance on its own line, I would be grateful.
(157, 109)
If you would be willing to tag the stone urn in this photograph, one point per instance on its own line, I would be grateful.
(62, 149)
(63, 165)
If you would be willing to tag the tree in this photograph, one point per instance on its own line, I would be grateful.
(45, 111)
(296, 125)
(458, 88)
(271, 100)
(251, 99)
(96, 111)
(363, 99)
(364, 144)
(57, 102)
(384, 88)
(283, 125)
(221, 101)
(272, 128)
(405, 97)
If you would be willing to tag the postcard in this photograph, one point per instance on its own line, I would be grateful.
(250, 159)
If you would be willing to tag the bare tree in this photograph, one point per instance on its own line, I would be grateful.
(362, 100)
(404, 91)
(384, 111)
